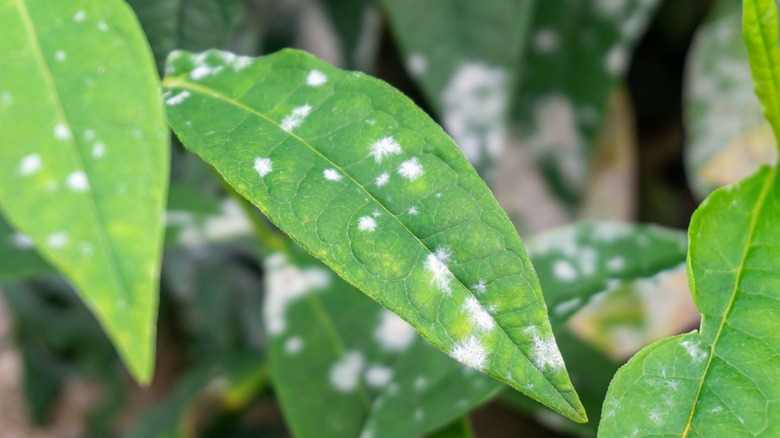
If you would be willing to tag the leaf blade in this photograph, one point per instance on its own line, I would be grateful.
(760, 33)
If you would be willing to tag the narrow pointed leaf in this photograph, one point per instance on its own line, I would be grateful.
(344, 366)
(84, 157)
(358, 175)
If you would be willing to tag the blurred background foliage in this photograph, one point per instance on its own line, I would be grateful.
(598, 113)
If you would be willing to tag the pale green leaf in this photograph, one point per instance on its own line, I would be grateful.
(344, 366)
(84, 157)
(760, 32)
(358, 175)
(721, 381)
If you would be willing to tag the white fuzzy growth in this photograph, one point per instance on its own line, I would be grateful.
(367, 223)
(417, 64)
(477, 314)
(177, 98)
(378, 376)
(62, 132)
(203, 71)
(436, 264)
(263, 166)
(382, 179)
(616, 263)
(60, 56)
(413, 211)
(345, 373)
(98, 150)
(285, 284)
(546, 41)
(315, 78)
(616, 60)
(480, 287)
(80, 16)
(411, 169)
(564, 271)
(30, 164)
(470, 353)
(295, 119)
(57, 240)
(544, 352)
(21, 241)
(695, 350)
(77, 181)
(393, 333)
(332, 174)
(384, 147)
(293, 346)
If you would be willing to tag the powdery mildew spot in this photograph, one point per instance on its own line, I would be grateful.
(384, 147)
(263, 166)
(419, 414)
(616, 60)
(98, 150)
(177, 98)
(21, 241)
(344, 374)
(77, 181)
(564, 271)
(285, 284)
(382, 179)
(544, 352)
(546, 41)
(413, 211)
(62, 132)
(203, 71)
(470, 353)
(60, 56)
(695, 350)
(616, 263)
(376, 213)
(293, 346)
(378, 376)
(332, 174)
(315, 78)
(417, 64)
(477, 314)
(102, 26)
(393, 333)
(30, 164)
(480, 287)
(57, 240)
(436, 264)
(367, 223)
(411, 169)
(80, 16)
(420, 383)
(295, 119)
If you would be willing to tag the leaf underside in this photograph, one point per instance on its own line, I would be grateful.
(363, 180)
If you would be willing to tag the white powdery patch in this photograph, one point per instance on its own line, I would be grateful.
(564, 271)
(345, 373)
(60, 56)
(30, 164)
(367, 223)
(384, 147)
(204, 70)
(21, 241)
(293, 346)
(263, 166)
(411, 169)
(57, 240)
(393, 333)
(285, 284)
(332, 174)
(480, 287)
(102, 26)
(420, 383)
(413, 211)
(544, 352)
(436, 264)
(77, 181)
(378, 376)
(546, 41)
(382, 179)
(616, 263)
(470, 353)
(475, 104)
(417, 64)
(62, 132)
(98, 150)
(295, 119)
(616, 60)
(478, 314)
(695, 350)
(80, 16)
(177, 98)
(315, 78)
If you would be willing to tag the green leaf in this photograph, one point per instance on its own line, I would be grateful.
(457, 429)
(727, 136)
(187, 24)
(358, 24)
(760, 32)
(720, 381)
(358, 175)
(18, 255)
(84, 140)
(344, 366)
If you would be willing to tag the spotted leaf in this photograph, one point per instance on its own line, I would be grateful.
(363, 180)
(84, 157)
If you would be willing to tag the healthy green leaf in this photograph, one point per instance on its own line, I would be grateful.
(721, 381)
(728, 137)
(344, 366)
(358, 175)
(83, 138)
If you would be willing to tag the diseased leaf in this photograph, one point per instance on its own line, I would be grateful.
(728, 138)
(358, 175)
(83, 138)
(344, 366)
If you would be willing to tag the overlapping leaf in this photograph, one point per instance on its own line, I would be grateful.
(344, 366)
(83, 138)
(358, 175)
